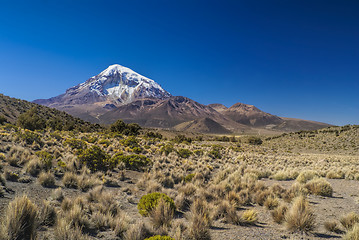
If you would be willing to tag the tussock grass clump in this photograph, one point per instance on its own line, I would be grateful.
(159, 237)
(11, 176)
(70, 180)
(271, 202)
(349, 220)
(48, 214)
(20, 219)
(282, 176)
(199, 221)
(278, 214)
(319, 186)
(138, 231)
(335, 175)
(34, 167)
(352, 234)
(307, 175)
(300, 217)
(332, 226)
(64, 231)
(162, 214)
(249, 216)
(47, 179)
(150, 201)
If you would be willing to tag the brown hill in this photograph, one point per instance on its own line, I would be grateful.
(252, 116)
(168, 113)
(203, 125)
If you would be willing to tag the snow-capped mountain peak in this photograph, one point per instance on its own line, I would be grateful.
(120, 85)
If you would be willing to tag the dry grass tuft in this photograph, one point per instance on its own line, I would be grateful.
(349, 220)
(47, 179)
(352, 234)
(320, 186)
(20, 219)
(249, 217)
(162, 214)
(64, 231)
(307, 175)
(138, 231)
(300, 217)
(278, 214)
(332, 226)
(199, 221)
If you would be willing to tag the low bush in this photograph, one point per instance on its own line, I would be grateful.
(96, 159)
(254, 140)
(46, 159)
(150, 201)
(184, 153)
(76, 143)
(132, 162)
(167, 149)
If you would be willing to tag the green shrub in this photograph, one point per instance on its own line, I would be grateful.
(167, 149)
(182, 139)
(254, 140)
(104, 142)
(120, 126)
(149, 202)
(189, 177)
(132, 162)
(31, 120)
(137, 150)
(2, 119)
(46, 159)
(159, 237)
(153, 135)
(30, 137)
(215, 152)
(76, 143)
(198, 152)
(96, 159)
(130, 142)
(184, 153)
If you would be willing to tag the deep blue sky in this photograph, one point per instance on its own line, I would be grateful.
(297, 58)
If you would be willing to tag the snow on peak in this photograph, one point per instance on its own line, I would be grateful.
(124, 85)
(117, 69)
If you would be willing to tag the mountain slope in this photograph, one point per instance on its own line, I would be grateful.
(203, 125)
(252, 116)
(167, 113)
(12, 108)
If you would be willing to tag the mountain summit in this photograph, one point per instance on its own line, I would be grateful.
(115, 86)
(122, 84)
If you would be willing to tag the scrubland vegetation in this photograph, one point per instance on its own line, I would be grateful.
(122, 182)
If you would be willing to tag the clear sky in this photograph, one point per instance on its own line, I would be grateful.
(297, 58)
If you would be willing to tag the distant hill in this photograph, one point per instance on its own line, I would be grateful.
(252, 116)
(343, 139)
(12, 108)
(203, 125)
